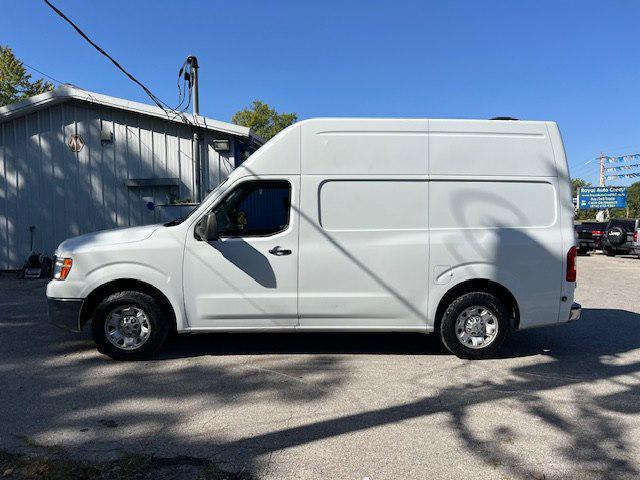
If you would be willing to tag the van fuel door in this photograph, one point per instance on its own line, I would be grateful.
(442, 274)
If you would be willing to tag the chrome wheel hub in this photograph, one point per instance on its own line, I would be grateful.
(127, 327)
(476, 327)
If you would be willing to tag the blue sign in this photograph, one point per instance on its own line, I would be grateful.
(602, 197)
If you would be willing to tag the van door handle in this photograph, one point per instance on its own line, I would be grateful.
(279, 251)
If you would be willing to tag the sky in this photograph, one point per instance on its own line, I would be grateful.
(573, 62)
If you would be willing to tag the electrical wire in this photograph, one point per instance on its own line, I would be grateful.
(182, 91)
(581, 169)
(42, 73)
(151, 95)
(185, 91)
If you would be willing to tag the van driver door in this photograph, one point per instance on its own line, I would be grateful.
(248, 277)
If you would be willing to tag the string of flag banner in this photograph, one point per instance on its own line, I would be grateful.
(623, 158)
(623, 167)
(612, 171)
(623, 175)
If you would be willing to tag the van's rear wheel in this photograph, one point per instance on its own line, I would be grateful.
(129, 325)
(475, 325)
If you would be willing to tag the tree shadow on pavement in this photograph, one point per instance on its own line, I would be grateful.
(598, 445)
(59, 391)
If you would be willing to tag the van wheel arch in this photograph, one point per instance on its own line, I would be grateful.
(478, 285)
(103, 291)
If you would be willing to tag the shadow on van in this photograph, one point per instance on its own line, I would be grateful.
(249, 260)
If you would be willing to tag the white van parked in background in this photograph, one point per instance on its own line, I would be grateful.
(459, 227)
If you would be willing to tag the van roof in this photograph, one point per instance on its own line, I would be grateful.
(490, 121)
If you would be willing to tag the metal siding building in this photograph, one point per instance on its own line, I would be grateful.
(132, 155)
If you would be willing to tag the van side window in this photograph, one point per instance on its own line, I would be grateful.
(255, 208)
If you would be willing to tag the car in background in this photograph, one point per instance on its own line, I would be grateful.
(589, 235)
(636, 242)
(618, 238)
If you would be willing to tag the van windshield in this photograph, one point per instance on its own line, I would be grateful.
(179, 220)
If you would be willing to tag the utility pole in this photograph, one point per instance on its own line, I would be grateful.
(602, 214)
(620, 163)
(192, 61)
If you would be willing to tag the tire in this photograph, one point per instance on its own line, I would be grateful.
(609, 252)
(463, 307)
(617, 236)
(583, 250)
(147, 322)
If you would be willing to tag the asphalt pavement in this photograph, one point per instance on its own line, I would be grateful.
(561, 402)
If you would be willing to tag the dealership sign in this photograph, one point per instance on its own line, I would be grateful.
(602, 197)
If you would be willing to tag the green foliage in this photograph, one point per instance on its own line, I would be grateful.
(586, 214)
(577, 183)
(15, 82)
(264, 120)
(633, 200)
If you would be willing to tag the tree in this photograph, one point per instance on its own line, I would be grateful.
(264, 120)
(633, 200)
(581, 214)
(577, 183)
(15, 82)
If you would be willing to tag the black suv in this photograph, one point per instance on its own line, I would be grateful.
(618, 237)
(588, 235)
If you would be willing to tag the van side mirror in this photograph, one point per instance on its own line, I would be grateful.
(207, 228)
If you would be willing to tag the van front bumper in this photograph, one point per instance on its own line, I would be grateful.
(576, 311)
(65, 313)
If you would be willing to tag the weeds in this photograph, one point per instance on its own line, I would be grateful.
(58, 466)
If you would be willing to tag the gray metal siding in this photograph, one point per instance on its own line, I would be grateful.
(64, 193)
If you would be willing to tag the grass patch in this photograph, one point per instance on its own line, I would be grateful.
(213, 472)
(57, 466)
(23, 467)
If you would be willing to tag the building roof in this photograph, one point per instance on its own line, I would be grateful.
(65, 93)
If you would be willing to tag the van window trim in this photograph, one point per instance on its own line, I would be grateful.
(240, 183)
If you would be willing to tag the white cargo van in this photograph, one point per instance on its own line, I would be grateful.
(459, 227)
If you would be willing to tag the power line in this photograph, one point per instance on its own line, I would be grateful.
(42, 73)
(581, 169)
(153, 97)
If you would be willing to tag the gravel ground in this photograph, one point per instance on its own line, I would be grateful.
(562, 402)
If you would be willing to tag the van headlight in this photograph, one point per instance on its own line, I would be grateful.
(61, 268)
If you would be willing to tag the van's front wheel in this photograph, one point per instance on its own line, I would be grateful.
(475, 325)
(129, 325)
